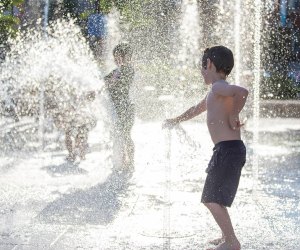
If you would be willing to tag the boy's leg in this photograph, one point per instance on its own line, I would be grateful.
(81, 142)
(69, 145)
(118, 146)
(130, 150)
(220, 187)
(222, 218)
(123, 150)
(129, 153)
(129, 143)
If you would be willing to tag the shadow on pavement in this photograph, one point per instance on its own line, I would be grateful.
(96, 205)
(65, 168)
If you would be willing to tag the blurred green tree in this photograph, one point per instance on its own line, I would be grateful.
(9, 23)
(278, 86)
(130, 10)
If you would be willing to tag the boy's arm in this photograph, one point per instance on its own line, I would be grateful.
(112, 78)
(239, 95)
(90, 95)
(187, 115)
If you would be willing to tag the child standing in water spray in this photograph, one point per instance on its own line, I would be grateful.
(70, 111)
(223, 104)
(118, 83)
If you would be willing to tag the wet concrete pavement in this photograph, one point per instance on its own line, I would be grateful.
(48, 204)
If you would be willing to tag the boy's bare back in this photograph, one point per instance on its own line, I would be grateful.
(220, 109)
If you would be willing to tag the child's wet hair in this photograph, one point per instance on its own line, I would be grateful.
(123, 49)
(221, 57)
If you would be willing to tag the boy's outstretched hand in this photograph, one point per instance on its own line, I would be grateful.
(91, 95)
(169, 123)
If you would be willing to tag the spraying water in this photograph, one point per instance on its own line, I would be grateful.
(42, 89)
(114, 37)
(256, 101)
(237, 42)
(38, 71)
(190, 31)
(65, 67)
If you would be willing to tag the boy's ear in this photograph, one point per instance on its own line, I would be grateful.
(209, 63)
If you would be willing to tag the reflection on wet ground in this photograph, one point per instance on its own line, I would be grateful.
(46, 203)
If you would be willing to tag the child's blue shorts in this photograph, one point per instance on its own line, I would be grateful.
(223, 172)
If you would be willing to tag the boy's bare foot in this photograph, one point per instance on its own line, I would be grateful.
(70, 158)
(227, 246)
(82, 157)
(217, 241)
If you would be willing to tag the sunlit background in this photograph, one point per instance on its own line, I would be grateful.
(48, 53)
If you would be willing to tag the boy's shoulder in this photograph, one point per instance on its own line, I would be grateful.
(127, 70)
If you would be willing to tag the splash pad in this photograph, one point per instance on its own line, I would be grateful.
(47, 204)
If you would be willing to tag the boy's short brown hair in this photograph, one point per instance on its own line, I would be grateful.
(123, 49)
(221, 57)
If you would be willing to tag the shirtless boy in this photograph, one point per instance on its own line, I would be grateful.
(223, 104)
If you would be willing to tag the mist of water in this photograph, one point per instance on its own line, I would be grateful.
(190, 34)
(256, 94)
(64, 67)
(40, 70)
(237, 41)
(115, 36)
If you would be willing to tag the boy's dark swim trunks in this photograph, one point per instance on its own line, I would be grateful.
(223, 172)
